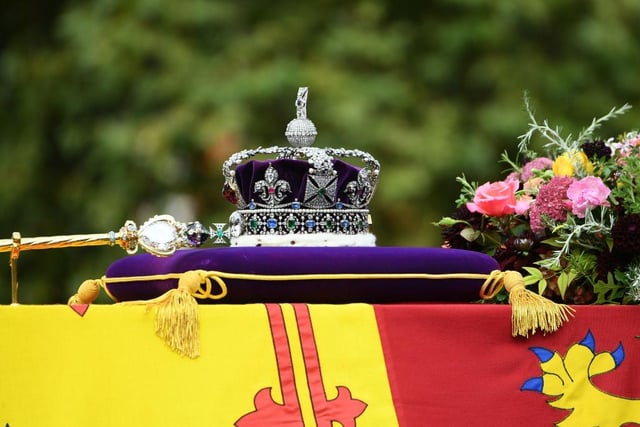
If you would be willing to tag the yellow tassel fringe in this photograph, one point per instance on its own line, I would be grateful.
(177, 316)
(177, 310)
(529, 311)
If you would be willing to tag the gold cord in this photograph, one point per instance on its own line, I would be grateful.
(207, 277)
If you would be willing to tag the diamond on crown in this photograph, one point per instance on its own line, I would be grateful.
(359, 192)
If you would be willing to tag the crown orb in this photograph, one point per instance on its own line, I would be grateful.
(301, 132)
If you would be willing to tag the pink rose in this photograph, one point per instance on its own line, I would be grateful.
(587, 193)
(495, 198)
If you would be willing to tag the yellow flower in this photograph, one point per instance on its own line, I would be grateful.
(566, 164)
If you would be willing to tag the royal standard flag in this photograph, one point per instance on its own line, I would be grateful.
(318, 365)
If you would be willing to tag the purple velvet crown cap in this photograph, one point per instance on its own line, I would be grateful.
(295, 173)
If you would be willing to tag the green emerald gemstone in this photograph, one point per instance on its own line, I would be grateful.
(253, 224)
(291, 223)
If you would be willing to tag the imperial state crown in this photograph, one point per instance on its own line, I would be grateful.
(301, 195)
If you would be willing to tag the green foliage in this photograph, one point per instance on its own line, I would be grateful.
(556, 143)
(563, 279)
(467, 191)
(626, 192)
(535, 277)
(609, 292)
(117, 110)
(587, 234)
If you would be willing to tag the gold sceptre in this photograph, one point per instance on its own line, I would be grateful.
(161, 235)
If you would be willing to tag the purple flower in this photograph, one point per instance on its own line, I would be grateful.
(626, 234)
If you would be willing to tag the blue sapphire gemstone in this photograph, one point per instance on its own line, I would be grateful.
(339, 205)
(344, 223)
(310, 223)
(295, 205)
(252, 205)
(272, 223)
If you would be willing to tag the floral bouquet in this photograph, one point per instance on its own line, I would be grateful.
(568, 219)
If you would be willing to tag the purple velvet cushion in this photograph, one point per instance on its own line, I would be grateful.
(312, 260)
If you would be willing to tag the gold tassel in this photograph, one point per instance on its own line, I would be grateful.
(177, 315)
(87, 293)
(529, 311)
(176, 310)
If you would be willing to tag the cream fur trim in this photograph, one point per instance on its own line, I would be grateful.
(315, 239)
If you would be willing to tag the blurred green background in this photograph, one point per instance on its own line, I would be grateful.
(115, 110)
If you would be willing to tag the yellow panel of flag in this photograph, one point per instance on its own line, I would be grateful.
(107, 368)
